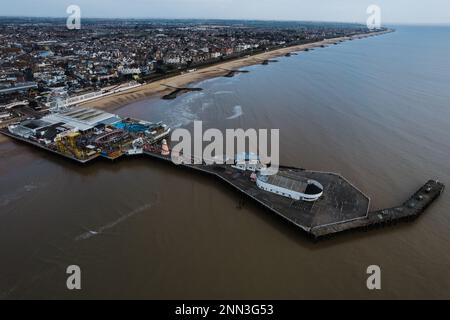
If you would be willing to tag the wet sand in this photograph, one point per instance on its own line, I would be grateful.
(156, 88)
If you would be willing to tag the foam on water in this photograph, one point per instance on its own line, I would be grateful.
(18, 194)
(237, 112)
(101, 230)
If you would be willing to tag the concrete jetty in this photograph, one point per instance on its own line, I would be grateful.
(232, 73)
(178, 91)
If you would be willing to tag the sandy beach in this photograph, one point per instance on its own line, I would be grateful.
(156, 88)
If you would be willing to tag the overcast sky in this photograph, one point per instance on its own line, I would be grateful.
(393, 11)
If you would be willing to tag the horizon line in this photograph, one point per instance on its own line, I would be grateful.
(228, 19)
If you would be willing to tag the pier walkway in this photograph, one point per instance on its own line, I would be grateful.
(342, 207)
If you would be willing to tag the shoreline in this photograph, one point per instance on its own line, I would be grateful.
(156, 88)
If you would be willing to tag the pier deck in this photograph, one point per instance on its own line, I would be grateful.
(342, 207)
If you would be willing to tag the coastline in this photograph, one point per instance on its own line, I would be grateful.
(156, 88)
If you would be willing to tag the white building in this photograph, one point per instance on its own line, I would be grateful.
(297, 189)
(127, 71)
(82, 119)
(247, 162)
(28, 128)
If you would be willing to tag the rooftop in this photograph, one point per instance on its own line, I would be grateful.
(298, 185)
(82, 118)
(35, 124)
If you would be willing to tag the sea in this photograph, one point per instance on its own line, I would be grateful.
(376, 110)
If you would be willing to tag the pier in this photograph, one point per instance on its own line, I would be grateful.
(341, 208)
(409, 210)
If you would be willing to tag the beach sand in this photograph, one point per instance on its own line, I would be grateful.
(156, 88)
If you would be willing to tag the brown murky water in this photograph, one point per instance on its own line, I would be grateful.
(375, 110)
